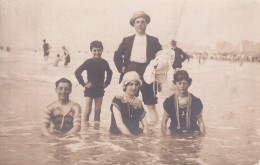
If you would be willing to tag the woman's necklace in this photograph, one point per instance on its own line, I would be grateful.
(127, 99)
(183, 101)
(130, 105)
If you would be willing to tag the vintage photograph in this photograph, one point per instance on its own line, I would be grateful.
(130, 82)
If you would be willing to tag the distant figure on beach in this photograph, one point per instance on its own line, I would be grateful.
(134, 54)
(183, 108)
(57, 60)
(62, 117)
(180, 56)
(8, 49)
(241, 59)
(45, 50)
(202, 57)
(66, 56)
(96, 83)
(127, 110)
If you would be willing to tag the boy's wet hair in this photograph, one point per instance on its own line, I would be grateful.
(96, 44)
(63, 80)
(181, 75)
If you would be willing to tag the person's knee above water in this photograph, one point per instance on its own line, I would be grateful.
(134, 54)
(127, 110)
(183, 108)
(96, 68)
(62, 117)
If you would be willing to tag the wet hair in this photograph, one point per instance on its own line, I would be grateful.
(124, 89)
(96, 44)
(63, 80)
(181, 75)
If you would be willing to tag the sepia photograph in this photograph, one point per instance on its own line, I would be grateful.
(130, 82)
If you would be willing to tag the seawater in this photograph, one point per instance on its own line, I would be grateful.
(229, 92)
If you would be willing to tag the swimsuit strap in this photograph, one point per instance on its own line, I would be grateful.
(176, 103)
(188, 112)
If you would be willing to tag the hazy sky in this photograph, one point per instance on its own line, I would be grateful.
(75, 23)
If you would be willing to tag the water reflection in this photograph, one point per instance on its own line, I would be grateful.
(61, 153)
(182, 148)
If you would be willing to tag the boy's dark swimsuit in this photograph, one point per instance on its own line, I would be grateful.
(96, 69)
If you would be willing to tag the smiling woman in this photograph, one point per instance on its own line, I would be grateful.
(127, 110)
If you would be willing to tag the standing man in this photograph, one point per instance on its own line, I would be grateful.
(45, 50)
(134, 54)
(180, 56)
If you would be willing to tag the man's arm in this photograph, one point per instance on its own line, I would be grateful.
(153, 46)
(118, 57)
(46, 132)
(159, 46)
(46, 124)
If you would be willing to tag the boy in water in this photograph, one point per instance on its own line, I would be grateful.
(62, 117)
(94, 87)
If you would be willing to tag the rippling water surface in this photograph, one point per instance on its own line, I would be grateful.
(229, 92)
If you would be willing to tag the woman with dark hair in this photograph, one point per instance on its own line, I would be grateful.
(183, 108)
